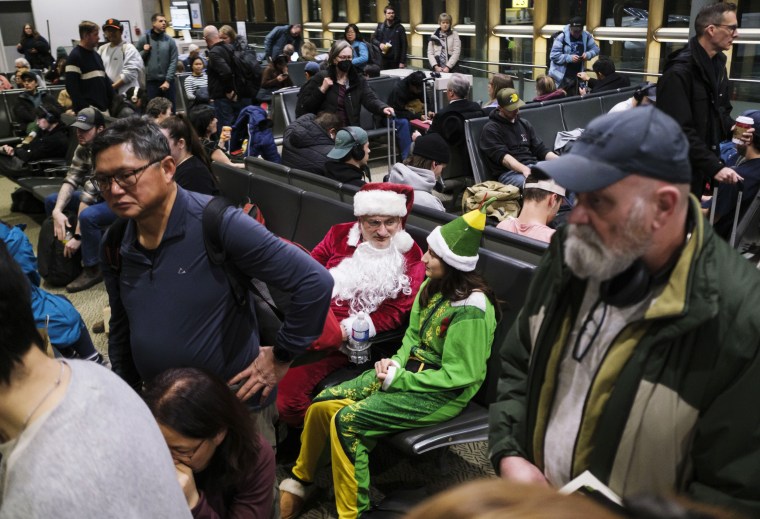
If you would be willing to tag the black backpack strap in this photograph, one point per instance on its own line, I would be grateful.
(240, 283)
(112, 244)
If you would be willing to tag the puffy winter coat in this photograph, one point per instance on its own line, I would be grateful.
(305, 145)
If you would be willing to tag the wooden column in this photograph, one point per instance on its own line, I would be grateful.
(260, 9)
(493, 43)
(327, 16)
(415, 40)
(540, 45)
(653, 49)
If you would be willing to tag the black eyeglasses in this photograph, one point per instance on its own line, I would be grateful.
(123, 180)
(732, 28)
(186, 454)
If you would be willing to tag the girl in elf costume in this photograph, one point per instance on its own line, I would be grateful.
(439, 367)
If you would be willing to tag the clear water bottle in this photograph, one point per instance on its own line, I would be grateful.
(358, 342)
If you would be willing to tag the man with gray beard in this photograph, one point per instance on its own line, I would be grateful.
(635, 356)
(377, 269)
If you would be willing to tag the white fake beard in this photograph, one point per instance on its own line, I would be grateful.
(589, 258)
(370, 277)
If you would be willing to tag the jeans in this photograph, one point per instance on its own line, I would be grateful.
(93, 220)
(404, 136)
(71, 207)
(512, 178)
(154, 91)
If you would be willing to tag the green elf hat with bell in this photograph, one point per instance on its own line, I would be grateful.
(457, 242)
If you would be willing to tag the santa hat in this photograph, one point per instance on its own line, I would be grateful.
(457, 242)
(384, 199)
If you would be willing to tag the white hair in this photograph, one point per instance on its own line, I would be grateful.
(370, 277)
(588, 257)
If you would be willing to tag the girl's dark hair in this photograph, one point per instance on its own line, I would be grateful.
(180, 128)
(199, 405)
(357, 32)
(279, 61)
(200, 117)
(192, 62)
(456, 285)
(18, 331)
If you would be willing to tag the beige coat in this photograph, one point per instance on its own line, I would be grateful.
(453, 46)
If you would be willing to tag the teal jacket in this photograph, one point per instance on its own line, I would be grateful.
(673, 406)
(161, 59)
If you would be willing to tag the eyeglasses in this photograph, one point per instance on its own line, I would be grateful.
(731, 28)
(345, 58)
(375, 224)
(186, 454)
(123, 180)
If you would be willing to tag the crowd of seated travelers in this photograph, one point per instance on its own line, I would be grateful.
(217, 442)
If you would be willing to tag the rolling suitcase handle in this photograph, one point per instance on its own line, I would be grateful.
(390, 133)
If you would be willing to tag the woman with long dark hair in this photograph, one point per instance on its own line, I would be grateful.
(193, 165)
(274, 77)
(204, 121)
(354, 37)
(439, 367)
(225, 467)
(35, 48)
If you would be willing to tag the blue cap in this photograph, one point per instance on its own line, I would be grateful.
(641, 141)
(312, 67)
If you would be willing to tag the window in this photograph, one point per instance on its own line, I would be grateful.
(368, 11)
(627, 55)
(431, 9)
(745, 62)
(560, 11)
(666, 49)
(315, 10)
(514, 12)
(340, 13)
(516, 50)
(677, 13)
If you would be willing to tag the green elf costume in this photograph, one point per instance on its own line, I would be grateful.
(439, 367)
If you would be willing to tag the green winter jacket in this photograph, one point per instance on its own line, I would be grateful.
(453, 337)
(673, 406)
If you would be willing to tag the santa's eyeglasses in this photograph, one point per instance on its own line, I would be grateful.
(375, 223)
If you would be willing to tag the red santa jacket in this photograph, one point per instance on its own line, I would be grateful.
(341, 242)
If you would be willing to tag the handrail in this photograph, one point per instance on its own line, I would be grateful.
(475, 62)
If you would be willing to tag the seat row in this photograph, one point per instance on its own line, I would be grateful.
(10, 128)
(303, 216)
(547, 119)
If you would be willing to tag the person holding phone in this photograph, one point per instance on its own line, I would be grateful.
(275, 77)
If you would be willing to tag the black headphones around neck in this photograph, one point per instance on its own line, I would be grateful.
(49, 116)
(634, 283)
(629, 287)
(357, 150)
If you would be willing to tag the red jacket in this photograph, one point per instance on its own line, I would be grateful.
(340, 243)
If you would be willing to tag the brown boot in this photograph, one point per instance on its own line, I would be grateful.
(89, 277)
(292, 498)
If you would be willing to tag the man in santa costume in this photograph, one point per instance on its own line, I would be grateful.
(377, 270)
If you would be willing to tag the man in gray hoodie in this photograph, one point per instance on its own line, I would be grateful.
(422, 169)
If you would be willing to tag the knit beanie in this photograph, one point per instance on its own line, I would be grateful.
(432, 146)
(457, 242)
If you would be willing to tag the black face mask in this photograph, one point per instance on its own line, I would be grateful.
(344, 66)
